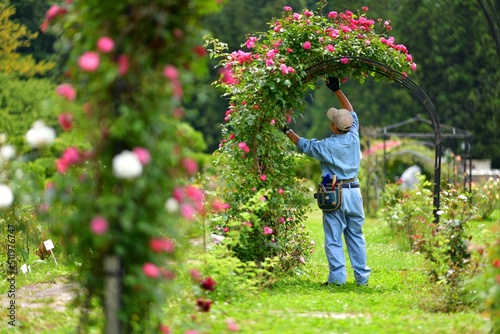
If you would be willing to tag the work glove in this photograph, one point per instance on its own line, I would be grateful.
(333, 83)
(285, 128)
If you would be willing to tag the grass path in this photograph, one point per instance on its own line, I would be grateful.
(392, 303)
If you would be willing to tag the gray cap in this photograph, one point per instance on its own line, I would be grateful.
(342, 118)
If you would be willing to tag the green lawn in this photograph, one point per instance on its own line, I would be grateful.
(394, 301)
(397, 299)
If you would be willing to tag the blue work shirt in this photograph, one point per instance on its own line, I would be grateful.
(339, 154)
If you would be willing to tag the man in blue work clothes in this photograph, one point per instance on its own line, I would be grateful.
(340, 155)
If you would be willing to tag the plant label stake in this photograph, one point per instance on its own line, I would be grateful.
(49, 245)
(25, 268)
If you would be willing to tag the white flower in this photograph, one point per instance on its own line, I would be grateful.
(462, 197)
(7, 152)
(40, 135)
(6, 196)
(171, 205)
(439, 212)
(126, 165)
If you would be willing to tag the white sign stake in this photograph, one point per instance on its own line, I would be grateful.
(49, 246)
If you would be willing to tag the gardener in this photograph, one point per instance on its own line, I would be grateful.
(340, 155)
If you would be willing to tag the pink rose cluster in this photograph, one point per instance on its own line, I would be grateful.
(71, 156)
(190, 200)
(52, 13)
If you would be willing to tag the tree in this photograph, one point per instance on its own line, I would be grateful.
(14, 36)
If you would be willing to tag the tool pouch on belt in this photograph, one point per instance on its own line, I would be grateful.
(329, 199)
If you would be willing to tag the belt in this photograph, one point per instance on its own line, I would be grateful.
(344, 185)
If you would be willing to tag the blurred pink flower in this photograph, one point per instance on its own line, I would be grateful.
(232, 326)
(187, 211)
(268, 230)
(52, 12)
(123, 64)
(218, 205)
(71, 156)
(244, 147)
(194, 193)
(89, 61)
(330, 48)
(307, 45)
(364, 8)
(190, 165)
(170, 72)
(263, 177)
(413, 66)
(150, 270)
(195, 274)
(67, 91)
(287, 8)
(66, 121)
(280, 191)
(142, 154)
(99, 225)
(308, 13)
(105, 44)
(332, 15)
(344, 60)
(159, 245)
(164, 329)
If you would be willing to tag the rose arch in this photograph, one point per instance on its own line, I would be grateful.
(265, 86)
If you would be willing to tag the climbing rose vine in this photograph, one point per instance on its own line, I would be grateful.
(265, 83)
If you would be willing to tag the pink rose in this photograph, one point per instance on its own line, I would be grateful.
(66, 121)
(52, 12)
(307, 45)
(164, 329)
(89, 61)
(142, 154)
(344, 60)
(287, 8)
(105, 44)
(187, 211)
(263, 177)
(170, 72)
(332, 15)
(194, 193)
(67, 91)
(159, 245)
(99, 225)
(190, 165)
(244, 147)
(150, 270)
(330, 48)
(268, 230)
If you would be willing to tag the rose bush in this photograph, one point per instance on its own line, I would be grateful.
(266, 85)
(122, 191)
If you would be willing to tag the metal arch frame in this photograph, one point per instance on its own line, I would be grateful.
(448, 132)
(330, 65)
